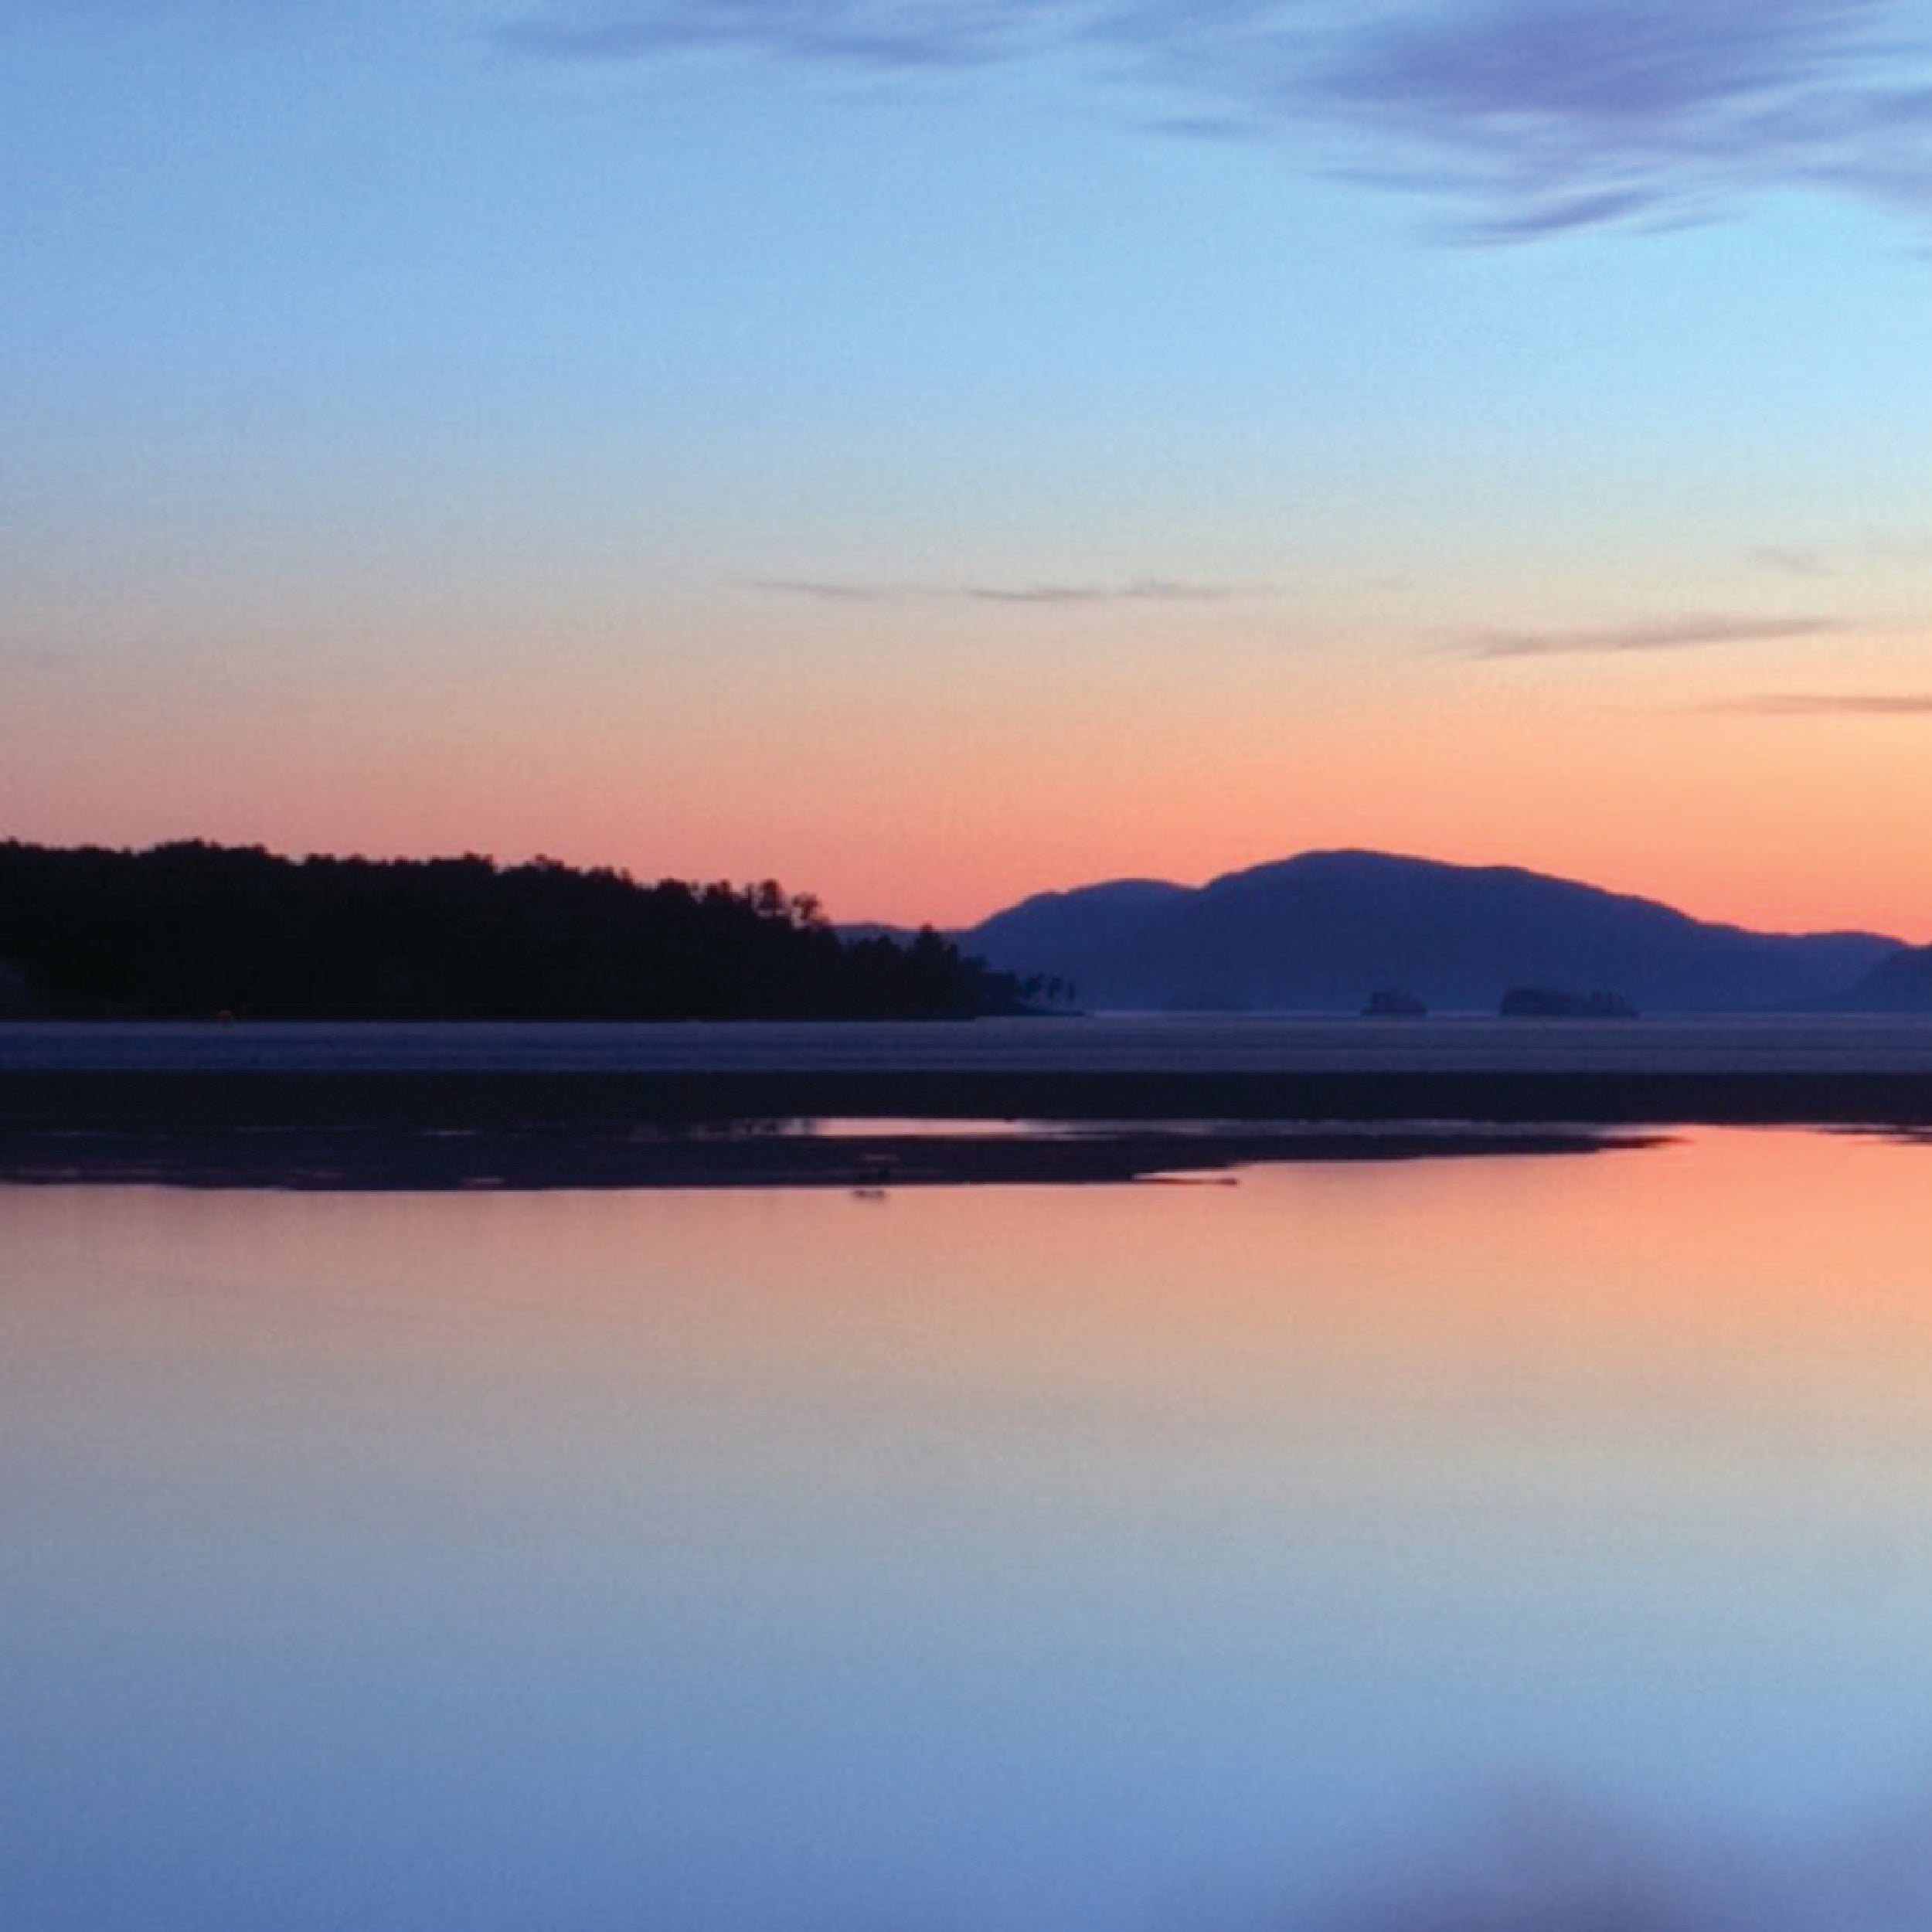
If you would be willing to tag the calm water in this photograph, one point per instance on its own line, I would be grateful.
(1475, 1547)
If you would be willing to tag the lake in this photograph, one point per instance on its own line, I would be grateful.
(1465, 1545)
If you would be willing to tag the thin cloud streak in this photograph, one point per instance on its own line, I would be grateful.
(1539, 117)
(1881, 704)
(1140, 590)
(1684, 634)
(908, 34)
(1143, 591)
(1787, 560)
(820, 593)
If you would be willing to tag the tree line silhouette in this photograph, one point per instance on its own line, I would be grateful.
(192, 928)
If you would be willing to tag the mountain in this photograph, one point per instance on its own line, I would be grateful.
(1900, 983)
(1326, 929)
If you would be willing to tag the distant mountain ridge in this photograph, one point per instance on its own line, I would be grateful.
(1325, 930)
(1901, 982)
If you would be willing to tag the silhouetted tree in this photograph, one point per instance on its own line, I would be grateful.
(194, 928)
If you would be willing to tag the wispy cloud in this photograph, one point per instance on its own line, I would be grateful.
(819, 592)
(1789, 560)
(1137, 590)
(1142, 590)
(1556, 113)
(1680, 633)
(1831, 704)
(1896, 548)
(1534, 117)
(881, 33)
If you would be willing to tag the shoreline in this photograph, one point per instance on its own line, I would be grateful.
(39, 1100)
(440, 1107)
(395, 1158)
(395, 1130)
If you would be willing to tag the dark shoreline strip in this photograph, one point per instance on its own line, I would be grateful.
(32, 1100)
(387, 1130)
(393, 1160)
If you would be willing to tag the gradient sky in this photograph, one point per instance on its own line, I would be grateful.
(933, 452)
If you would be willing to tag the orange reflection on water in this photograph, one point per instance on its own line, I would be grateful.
(1777, 1266)
(940, 1548)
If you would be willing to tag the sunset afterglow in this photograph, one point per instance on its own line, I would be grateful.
(933, 453)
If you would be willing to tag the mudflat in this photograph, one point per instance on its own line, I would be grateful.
(429, 1106)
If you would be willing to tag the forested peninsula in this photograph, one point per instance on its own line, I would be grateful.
(192, 929)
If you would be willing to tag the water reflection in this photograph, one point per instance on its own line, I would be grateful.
(1021, 1558)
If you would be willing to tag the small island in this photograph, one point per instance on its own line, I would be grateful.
(1391, 1002)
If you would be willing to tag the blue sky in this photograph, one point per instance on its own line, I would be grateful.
(935, 452)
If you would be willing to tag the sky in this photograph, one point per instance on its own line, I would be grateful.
(933, 453)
